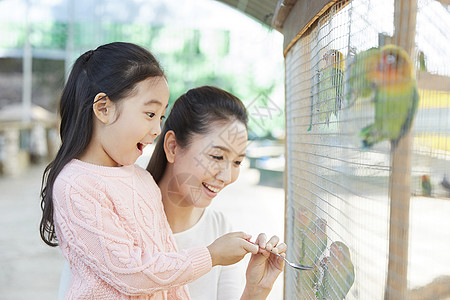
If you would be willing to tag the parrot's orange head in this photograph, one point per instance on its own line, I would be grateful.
(394, 67)
(339, 252)
(335, 59)
(425, 178)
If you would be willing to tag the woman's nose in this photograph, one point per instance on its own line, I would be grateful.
(224, 173)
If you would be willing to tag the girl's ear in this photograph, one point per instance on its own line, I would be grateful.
(103, 108)
(170, 146)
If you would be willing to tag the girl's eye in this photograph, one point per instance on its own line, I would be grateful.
(216, 157)
(162, 118)
(151, 115)
(238, 163)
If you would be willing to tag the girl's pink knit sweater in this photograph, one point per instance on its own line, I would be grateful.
(112, 229)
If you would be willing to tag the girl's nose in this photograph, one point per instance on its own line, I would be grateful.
(155, 130)
(158, 130)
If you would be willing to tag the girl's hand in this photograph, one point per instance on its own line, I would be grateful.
(264, 268)
(231, 248)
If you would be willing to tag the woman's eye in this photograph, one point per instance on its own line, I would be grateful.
(162, 118)
(216, 157)
(238, 163)
(151, 115)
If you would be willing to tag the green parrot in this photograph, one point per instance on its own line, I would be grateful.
(330, 82)
(426, 185)
(396, 97)
(313, 245)
(331, 85)
(313, 240)
(421, 61)
(339, 273)
(358, 85)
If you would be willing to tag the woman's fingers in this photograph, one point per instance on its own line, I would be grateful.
(272, 243)
(281, 247)
(261, 240)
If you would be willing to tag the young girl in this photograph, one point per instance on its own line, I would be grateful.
(199, 153)
(103, 211)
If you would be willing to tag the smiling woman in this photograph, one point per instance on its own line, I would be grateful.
(212, 159)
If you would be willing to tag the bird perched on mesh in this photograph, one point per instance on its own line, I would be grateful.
(313, 243)
(426, 185)
(446, 184)
(396, 97)
(421, 61)
(331, 85)
(339, 273)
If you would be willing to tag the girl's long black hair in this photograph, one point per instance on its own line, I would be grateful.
(195, 112)
(113, 69)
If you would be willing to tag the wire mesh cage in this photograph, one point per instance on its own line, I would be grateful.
(368, 152)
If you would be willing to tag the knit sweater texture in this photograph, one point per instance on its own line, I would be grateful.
(111, 228)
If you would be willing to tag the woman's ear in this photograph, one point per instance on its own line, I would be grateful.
(103, 108)
(170, 146)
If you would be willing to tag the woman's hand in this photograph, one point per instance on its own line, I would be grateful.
(264, 268)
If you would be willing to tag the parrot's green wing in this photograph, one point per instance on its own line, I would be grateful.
(314, 99)
(326, 95)
(358, 86)
(338, 84)
(331, 90)
(426, 188)
(314, 242)
(406, 126)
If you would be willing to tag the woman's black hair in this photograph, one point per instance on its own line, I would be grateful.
(113, 69)
(195, 112)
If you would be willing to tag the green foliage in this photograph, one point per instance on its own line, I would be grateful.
(49, 35)
(190, 57)
(12, 35)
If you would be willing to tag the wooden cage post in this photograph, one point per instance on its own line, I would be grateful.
(399, 182)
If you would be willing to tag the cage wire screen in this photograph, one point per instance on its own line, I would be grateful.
(368, 152)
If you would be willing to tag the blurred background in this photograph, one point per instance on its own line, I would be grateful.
(202, 42)
(197, 43)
